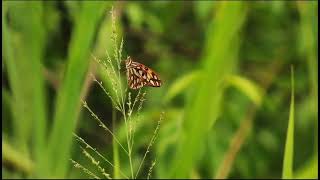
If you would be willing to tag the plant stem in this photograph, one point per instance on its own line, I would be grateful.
(115, 147)
(128, 142)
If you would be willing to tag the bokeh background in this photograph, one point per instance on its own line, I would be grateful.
(226, 93)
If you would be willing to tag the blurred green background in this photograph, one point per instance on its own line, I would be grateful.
(226, 89)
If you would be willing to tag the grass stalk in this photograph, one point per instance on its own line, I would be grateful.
(115, 148)
(154, 136)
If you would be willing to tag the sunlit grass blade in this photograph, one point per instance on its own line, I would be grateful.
(248, 87)
(68, 100)
(288, 153)
(181, 84)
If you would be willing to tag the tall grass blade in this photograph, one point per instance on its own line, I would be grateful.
(68, 100)
(288, 153)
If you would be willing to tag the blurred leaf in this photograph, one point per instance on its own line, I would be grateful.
(68, 100)
(309, 170)
(6, 112)
(52, 16)
(181, 84)
(202, 110)
(24, 40)
(203, 9)
(74, 9)
(308, 44)
(288, 153)
(277, 7)
(17, 159)
(154, 23)
(135, 14)
(247, 87)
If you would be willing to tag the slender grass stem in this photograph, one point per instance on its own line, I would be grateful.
(116, 161)
(103, 125)
(129, 148)
(99, 154)
(151, 168)
(150, 144)
(87, 171)
(95, 162)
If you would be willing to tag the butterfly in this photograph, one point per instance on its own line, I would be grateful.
(140, 75)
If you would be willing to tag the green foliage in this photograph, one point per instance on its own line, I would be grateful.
(225, 89)
(27, 39)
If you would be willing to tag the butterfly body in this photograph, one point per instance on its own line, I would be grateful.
(140, 75)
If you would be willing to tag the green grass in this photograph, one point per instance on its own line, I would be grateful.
(24, 46)
(199, 50)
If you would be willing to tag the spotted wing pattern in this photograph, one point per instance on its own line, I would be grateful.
(140, 75)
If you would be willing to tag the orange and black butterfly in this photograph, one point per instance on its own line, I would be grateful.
(140, 75)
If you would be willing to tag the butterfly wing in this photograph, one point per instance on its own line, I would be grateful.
(149, 76)
(140, 75)
(152, 78)
(134, 79)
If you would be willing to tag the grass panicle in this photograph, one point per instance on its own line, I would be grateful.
(151, 168)
(96, 163)
(88, 146)
(87, 171)
(127, 103)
